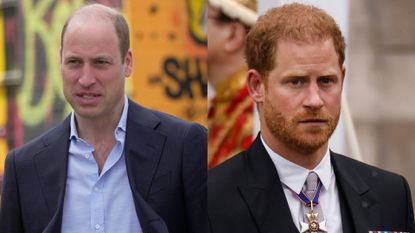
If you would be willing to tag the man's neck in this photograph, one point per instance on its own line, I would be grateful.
(95, 130)
(100, 134)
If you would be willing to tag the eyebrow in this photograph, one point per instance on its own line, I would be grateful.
(99, 57)
(102, 57)
(70, 57)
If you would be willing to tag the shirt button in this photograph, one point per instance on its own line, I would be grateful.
(96, 189)
(97, 226)
(87, 155)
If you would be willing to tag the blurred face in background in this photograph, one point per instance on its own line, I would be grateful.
(215, 35)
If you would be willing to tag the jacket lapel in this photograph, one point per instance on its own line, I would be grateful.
(355, 197)
(263, 193)
(143, 149)
(51, 164)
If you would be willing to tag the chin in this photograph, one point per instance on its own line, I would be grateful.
(86, 113)
(311, 147)
(307, 142)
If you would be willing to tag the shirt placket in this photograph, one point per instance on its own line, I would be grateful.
(97, 207)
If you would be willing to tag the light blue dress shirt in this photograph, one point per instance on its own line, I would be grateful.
(98, 202)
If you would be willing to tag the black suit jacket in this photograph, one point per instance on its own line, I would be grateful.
(245, 195)
(166, 166)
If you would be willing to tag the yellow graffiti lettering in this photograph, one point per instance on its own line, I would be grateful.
(48, 33)
(3, 99)
(197, 24)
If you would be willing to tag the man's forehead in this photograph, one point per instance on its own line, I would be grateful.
(299, 46)
(86, 23)
(87, 20)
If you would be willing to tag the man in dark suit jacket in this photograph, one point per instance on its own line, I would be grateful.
(246, 195)
(296, 54)
(164, 158)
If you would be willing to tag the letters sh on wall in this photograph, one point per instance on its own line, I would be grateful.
(169, 54)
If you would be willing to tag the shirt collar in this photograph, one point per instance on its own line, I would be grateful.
(122, 124)
(74, 132)
(294, 176)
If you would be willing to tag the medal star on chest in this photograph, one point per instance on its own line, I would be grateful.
(313, 225)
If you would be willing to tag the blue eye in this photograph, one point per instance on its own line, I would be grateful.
(328, 80)
(73, 61)
(102, 62)
(296, 82)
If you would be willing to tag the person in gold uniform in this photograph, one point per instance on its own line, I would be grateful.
(231, 112)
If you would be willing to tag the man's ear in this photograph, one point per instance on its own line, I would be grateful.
(343, 74)
(60, 59)
(235, 39)
(256, 86)
(128, 63)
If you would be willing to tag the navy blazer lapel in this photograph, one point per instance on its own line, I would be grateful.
(51, 164)
(359, 200)
(263, 192)
(143, 149)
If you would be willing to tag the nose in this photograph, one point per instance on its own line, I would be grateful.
(313, 99)
(87, 78)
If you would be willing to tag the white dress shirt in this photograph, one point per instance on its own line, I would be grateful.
(293, 177)
(98, 202)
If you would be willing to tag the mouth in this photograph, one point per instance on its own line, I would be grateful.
(314, 122)
(88, 95)
(88, 98)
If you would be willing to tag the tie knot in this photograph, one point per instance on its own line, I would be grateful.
(310, 185)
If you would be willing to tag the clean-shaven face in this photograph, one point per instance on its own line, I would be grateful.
(92, 69)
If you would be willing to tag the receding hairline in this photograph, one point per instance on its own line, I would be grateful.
(105, 14)
(91, 11)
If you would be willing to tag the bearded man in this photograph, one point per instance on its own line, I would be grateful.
(288, 180)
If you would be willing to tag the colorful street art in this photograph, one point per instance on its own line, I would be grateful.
(175, 72)
(169, 47)
(3, 99)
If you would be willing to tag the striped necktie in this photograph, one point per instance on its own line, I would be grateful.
(313, 219)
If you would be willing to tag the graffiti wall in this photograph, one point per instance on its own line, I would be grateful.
(169, 47)
(170, 64)
(3, 99)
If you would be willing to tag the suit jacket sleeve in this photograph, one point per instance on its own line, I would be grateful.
(195, 178)
(410, 211)
(10, 217)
